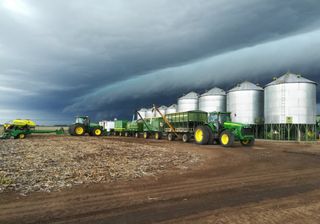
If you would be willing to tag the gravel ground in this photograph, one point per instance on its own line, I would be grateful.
(50, 163)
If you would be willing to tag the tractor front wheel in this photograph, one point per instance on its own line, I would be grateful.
(247, 142)
(202, 135)
(96, 132)
(226, 138)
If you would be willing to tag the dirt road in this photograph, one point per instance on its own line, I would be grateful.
(269, 183)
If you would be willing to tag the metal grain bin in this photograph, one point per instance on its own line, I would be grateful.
(245, 102)
(188, 102)
(290, 99)
(172, 109)
(150, 113)
(142, 112)
(213, 100)
(162, 109)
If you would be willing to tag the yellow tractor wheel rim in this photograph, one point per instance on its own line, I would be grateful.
(97, 132)
(157, 135)
(225, 139)
(199, 135)
(145, 135)
(79, 130)
(21, 136)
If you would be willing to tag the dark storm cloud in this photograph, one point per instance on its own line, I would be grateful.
(95, 56)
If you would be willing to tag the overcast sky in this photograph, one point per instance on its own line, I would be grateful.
(107, 58)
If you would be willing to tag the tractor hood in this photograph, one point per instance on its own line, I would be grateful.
(235, 124)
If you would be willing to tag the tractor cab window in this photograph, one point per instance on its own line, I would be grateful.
(213, 117)
(81, 120)
(224, 118)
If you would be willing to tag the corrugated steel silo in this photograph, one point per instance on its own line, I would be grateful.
(290, 99)
(188, 102)
(162, 109)
(213, 100)
(245, 102)
(172, 109)
(150, 113)
(142, 112)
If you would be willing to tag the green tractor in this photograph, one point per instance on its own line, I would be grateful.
(220, 129)
(83, 125)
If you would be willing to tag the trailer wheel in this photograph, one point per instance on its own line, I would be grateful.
(171, 137)
(201, 135)
(186, 137)
(136, 135)
(247, 142)
(126, 134)
(145, 135)
(157, 135)
(226, 138)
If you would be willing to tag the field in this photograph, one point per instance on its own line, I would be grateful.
(63, 179)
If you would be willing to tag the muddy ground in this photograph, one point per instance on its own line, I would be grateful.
(268, 183)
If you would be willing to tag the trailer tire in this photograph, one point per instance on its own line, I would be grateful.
(157, 135)
(186, 137)
(126, 134)
(171, 137)
(226, 138)
(145, 135)
(201, 135)
(247, 142)
(136, 135)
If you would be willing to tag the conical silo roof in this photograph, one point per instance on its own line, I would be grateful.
(290, 78)
(246, 86)
(191, 95)
(214, 91)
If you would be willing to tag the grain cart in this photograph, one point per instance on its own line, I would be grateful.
(134, 128)
(220, 129)
(183, 124)
(120, 127)
(153, 127)
(83, 125)
(20, 129)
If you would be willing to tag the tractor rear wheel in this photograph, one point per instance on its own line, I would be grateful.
(247, 142)
(201, 135)
(211, 138)
(226, 138)
(79, 130)
(71, 129)
(96, 132)
(171, 137)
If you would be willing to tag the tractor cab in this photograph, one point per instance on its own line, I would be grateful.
(219, 118)
(82, 120)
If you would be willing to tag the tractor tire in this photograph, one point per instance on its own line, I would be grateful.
(171, 137)
(247, 142)
(96, 132)
(186, 137)
(145, 135)
(201, 135)
(79, 130)
(226, 138)
(71, 130)
(211, 137)
(157, 135)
